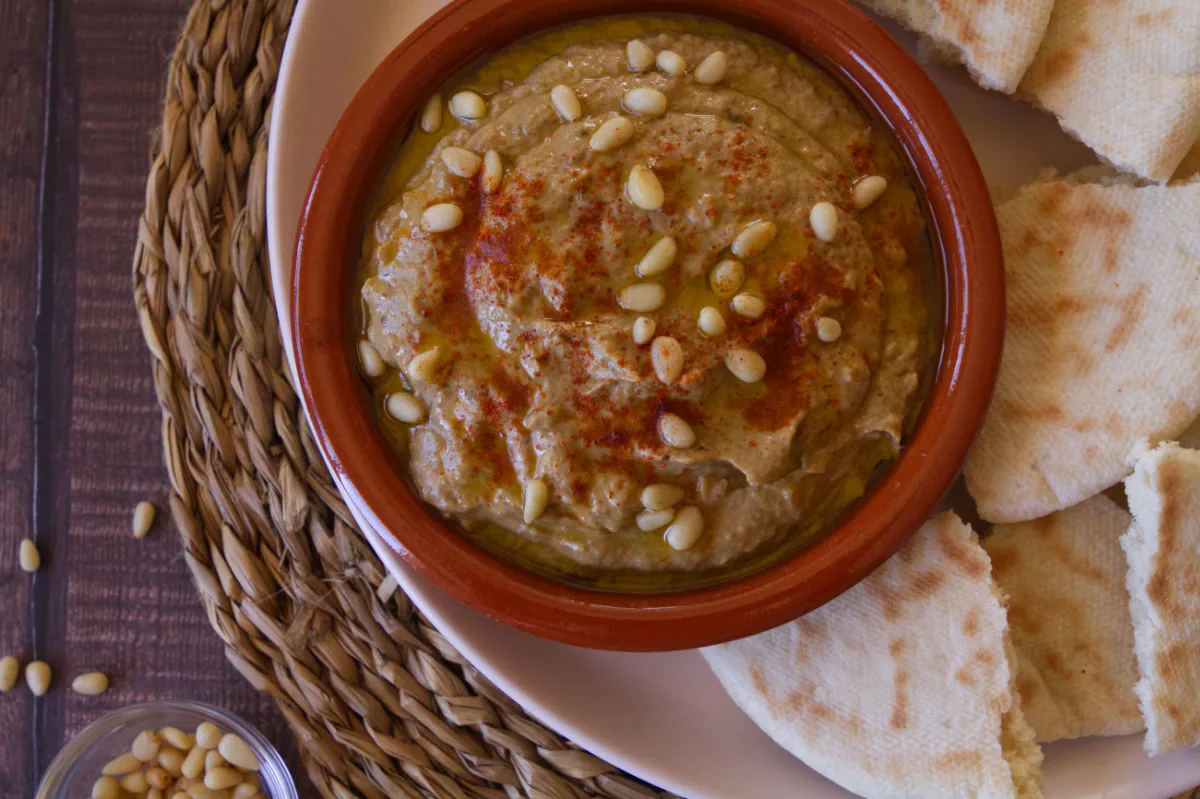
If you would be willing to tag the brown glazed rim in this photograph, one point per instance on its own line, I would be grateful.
(890, 85)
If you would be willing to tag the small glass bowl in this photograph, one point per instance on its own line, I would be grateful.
(78, 765)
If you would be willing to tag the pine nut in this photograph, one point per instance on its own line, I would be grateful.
(177, 738)
(642, 297)
(868, 190)
(37, 677)
(369, 359)
(493, 172)
(658, 258)
(649, 520)
(431, 114)
(537, 497)
(252, 778)
(611, 135)
(685, 531)
(208, 735)
(90, 684)
(105, 788)
(566, 103)
(727, 277)
(441, 217)
(712, 69)
(643, 330)
(134, 782)
(157, 777)
(424, 365)
(171, 759)
(660, 496)
(645, 101)
(638, 56)
(180, 795)
(675, 432)
(748, 305)
(238, 752)
(666, 355)
(197, 790)
(746, 365)
(824, 221)
(461, 161)
(213, 759)
(10, 667)
(643, 189)
(193, 764)
(754, 238)
(29, 557)
(670, 62)
(145, 746)
(829, 329)
(712, 324)
(221, 778)
(406, 408)
(122, 765)
(244, 791)
(143, 519)
(155, 793)
(468, 105)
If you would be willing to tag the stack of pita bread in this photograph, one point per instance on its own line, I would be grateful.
(1123, 76)
(1078, 613)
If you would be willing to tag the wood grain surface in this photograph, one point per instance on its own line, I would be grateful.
(81, 86)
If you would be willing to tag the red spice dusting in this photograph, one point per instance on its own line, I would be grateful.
(861, 157)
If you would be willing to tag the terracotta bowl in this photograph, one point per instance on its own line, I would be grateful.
(962, 225)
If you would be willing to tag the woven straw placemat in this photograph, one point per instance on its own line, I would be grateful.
(381, 704)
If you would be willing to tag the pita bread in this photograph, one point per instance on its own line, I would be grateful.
(1124, 77)
(1102, 341)
(901, 687)
(1068, 614)
(996, 41)
(1163, 550)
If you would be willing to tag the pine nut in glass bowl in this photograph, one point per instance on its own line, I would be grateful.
(78, 771)
(666, 276)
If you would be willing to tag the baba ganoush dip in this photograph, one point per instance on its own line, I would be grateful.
(652, 304)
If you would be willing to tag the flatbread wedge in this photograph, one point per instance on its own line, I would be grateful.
(995, 41)
(902, 686)
(1068, 614)
(1102, 346)
(1124, 77)
(1163, 550)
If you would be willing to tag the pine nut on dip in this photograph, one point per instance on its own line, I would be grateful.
(541, 299)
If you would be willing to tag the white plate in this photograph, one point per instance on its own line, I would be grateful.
(662, 717)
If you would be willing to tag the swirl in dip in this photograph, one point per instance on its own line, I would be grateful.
(654, 305)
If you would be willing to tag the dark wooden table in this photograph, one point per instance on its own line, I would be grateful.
(81, 85)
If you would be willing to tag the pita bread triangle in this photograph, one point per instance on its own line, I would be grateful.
(1102, 345)
(996, 41)
(1163, 551)
(902, 686)
(1124, 77)
(1068, 614)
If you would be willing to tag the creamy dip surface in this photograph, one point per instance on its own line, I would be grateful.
(655, 304)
